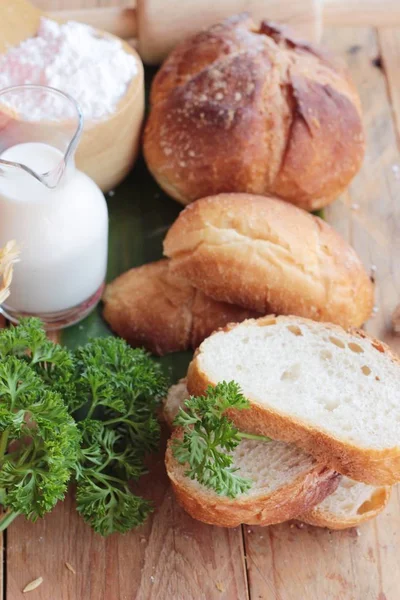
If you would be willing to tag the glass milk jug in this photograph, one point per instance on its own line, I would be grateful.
(57, 215)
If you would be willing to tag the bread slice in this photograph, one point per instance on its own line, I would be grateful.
(351, 504)
(285, 480)
(176, 396)
(150, 306)
(269, 256)
(331, 392)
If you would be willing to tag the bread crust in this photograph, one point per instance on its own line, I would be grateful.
(376, 467)
(152, 307)
(285, 503)
(241, 108)
(320, 517)
(269, 256)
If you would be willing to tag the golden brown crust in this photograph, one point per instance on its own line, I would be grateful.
(150, 306)
(376, 467)
(309, 489)
(322, 518)
(270, 256)
(238, 108)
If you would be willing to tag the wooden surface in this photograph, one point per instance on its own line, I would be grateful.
(173, 557)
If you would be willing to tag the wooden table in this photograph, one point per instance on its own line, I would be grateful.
(173, 557)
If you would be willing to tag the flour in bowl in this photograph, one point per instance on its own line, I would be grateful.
(96, 71)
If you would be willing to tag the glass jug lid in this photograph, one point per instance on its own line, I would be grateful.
(41, 114)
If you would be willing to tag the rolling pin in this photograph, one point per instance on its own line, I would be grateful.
(158, 25)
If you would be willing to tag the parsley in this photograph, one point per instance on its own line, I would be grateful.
(117, 392)
(209, 437)
(87, 416)
(38, 443)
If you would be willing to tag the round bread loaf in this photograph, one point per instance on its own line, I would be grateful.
(269, 256)
(240, 108)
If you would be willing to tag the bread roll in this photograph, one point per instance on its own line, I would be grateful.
(149, 306)
(242, 108)
(269, 256)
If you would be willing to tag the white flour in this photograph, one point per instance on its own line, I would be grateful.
(95, 71)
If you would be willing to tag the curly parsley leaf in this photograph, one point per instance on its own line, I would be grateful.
(117, 391)
(88, 414)
(38, 442)
(208, 438)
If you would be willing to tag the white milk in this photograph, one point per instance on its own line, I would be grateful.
(62, 233)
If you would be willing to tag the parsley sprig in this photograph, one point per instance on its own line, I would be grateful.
(117, 391)
(209, 438)
(38, 443)
(87, 415)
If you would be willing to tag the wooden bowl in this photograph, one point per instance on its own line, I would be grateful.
(109, 147)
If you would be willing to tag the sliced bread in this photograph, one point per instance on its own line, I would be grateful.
(333, 393)
(174, 400)
(351, 504)
(285, 481)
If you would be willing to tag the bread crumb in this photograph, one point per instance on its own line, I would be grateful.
(215, 74)
(219, 586)
(33, 585)
(250, 88)
(396, 320)
(152, 578)
(70, 568)
(396, 171)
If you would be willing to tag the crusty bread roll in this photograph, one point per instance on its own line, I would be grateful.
(331, 392)
(270, 256)
(241, 108)
(149, 306)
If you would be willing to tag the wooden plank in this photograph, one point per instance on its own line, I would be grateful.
(389, 41)
(286, 562)
(77, 4)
